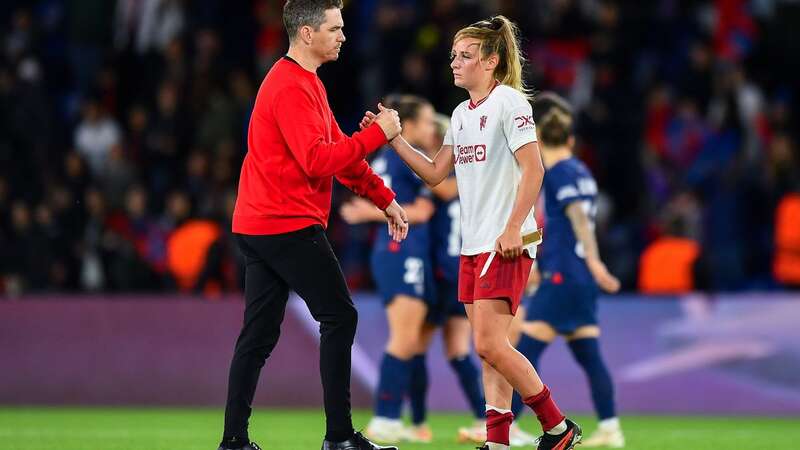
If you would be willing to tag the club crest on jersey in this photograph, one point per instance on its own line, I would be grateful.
(483, 122)
(523, 121)
(468, 154)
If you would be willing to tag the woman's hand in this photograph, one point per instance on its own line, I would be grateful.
(509, 244)
(357, 211)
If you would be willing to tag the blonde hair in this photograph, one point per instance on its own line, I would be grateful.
(500, 36)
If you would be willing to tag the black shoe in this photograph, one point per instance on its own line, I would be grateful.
(250, 446)
(563, 441)
(357, 442)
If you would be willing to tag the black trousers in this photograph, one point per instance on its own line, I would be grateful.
(302, 261)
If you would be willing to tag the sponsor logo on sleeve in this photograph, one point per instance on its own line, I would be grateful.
(523, 121)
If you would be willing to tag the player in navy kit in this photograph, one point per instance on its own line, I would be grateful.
(403, 272)
(569, 267)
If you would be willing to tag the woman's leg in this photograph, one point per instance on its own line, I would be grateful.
(405, 315)
(457, 333)
(507, 367)
(497, 389)
(491, 319)
(418, 386)
(585, 348)
(534, 339)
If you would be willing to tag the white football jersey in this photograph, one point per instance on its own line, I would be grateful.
(484, 137)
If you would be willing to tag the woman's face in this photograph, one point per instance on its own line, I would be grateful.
(421, 130)
(465, 61)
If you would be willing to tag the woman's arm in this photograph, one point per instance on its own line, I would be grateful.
(509, 244)
(433, 171)
(584, 233)
(359, 210)
(446, 190)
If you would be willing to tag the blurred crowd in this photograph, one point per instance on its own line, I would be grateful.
(123, 127)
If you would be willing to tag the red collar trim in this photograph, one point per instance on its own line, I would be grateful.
(480, 102)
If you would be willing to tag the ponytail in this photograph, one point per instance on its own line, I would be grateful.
(555, 128)
(500, 36)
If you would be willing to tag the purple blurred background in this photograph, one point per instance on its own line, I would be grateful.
(690, 355)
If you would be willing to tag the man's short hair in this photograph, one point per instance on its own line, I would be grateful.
(300, 13)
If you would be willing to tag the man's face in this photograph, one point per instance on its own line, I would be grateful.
(327, 41)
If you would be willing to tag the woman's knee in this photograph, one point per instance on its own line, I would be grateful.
(403, 349)
(488, 347)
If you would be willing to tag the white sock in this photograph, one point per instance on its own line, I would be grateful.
(611, 424)
(385, 422)
(496, 446)
(558, 429)
(501, 411)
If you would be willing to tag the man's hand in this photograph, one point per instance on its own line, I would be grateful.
(389, 121)
(367, 120)
(509, 244)
(397, 221)
(607, 282)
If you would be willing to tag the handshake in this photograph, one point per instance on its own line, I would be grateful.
(387, 119)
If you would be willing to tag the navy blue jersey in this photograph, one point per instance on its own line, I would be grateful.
(566, 182)
(402, 267)
(407, 186)
(446, 238)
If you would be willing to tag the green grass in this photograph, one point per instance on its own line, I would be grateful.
(199, 429)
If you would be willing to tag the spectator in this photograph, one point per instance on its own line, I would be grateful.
(667, 264)
(155, 96)
(95, 136)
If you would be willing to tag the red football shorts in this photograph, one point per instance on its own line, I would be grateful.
(504, 278)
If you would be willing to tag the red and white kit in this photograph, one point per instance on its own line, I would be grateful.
(484, 137)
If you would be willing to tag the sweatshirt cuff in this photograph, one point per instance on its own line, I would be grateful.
(382, 196)
(372, 138)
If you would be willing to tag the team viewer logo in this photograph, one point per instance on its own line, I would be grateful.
(480, 152)
(468, 154)
(483, 122)
(523, 121)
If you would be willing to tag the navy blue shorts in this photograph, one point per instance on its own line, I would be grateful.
(565, 306)
(447, 304)
(403, 273)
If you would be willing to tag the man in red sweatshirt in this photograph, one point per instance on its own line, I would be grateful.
(295, 148)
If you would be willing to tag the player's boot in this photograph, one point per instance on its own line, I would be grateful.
(563, 441)
(250, 446)
(385, 431)
(476, 433)
(357, 442)
(610, 438)
(519, 438)
(421, 434)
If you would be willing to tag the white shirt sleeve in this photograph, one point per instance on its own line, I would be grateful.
(448, 136)
(518, 123)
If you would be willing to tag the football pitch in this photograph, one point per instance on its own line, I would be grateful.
(274, 429)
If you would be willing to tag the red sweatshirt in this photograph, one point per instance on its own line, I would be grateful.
(295, 148)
